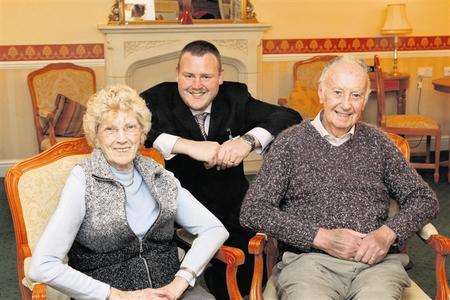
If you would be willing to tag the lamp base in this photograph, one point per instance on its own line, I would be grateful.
(395, 73)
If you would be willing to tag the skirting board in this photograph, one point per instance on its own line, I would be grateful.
(253, 162)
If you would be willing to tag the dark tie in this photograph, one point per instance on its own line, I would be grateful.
(200, 119)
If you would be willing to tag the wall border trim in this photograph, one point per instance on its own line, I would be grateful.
(364, 55)
(36, 64)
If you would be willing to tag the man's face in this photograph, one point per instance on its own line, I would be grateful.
(198, 79)
(343, 95)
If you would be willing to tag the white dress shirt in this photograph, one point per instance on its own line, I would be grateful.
(335, 141)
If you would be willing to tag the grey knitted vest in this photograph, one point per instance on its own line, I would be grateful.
(106, 248)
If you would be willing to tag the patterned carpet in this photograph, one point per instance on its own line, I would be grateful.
(422, 257)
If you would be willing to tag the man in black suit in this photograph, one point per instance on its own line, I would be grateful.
(206, 155)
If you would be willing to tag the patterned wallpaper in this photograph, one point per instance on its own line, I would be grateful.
(51, 52)
(272, 46)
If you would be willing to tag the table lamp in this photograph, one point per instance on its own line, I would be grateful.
(396, 24)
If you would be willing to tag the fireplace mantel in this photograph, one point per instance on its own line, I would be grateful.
(143, 55)
(130, 47)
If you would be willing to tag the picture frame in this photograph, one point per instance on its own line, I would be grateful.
(138, 11)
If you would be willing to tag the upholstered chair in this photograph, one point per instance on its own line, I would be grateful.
(408, 125)
(304, 97)
(265, 251)
(74, 85)
(33, 188)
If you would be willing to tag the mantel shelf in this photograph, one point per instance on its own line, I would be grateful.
(174, 28)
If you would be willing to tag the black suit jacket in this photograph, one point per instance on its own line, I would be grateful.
(233, 109)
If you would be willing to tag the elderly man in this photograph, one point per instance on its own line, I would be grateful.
(324, 192)
(205, 127)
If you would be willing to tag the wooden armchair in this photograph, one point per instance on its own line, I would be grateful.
(75, 82)
(304, 97)
(33, 188)
(266, 248)
(409, 125)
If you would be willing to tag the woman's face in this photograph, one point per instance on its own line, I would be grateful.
(119, 137)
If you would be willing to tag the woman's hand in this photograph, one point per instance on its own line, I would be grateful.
(175, 289)
(145, 294)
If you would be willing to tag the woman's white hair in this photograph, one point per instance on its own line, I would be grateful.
(114, 98)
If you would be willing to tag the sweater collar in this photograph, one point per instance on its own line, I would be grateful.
(101, 167)
(335, 141)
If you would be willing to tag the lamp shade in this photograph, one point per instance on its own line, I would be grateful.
(396, 21)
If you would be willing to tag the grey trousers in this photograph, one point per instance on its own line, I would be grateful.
(321, 276)
(197, 293)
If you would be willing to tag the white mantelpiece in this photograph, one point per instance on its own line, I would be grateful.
(130, 47)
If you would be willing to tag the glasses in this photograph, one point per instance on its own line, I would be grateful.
(129, 130)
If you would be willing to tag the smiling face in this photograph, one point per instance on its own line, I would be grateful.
(119, 137)
(198, 79)
(343, 93)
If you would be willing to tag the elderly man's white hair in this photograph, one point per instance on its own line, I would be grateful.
(351, 60)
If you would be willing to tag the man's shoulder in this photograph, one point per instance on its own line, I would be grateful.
(160, 88)
(295, 133)
(232, 86)
(370, 131)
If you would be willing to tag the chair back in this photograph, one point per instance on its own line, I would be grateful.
(75, 82)
(33, 189)
(401, 143)
(381, 122)
(304, 97)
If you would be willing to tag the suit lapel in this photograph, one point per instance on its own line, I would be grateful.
(219, 111)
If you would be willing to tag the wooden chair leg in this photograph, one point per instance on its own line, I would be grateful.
(448, 166)
(428, 149)
(437, 156)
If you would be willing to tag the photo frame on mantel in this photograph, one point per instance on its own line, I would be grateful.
(129, 12)
(136, 11)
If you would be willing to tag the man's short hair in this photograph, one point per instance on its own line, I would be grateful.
(350, 59)
(200, 48)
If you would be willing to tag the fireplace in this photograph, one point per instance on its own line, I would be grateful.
(144, 55)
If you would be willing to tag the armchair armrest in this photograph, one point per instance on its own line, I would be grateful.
(441, 246)
(39, 292)
(256, 246)
(427, 231)
(231, 256)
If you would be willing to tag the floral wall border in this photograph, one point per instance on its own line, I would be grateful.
(339, 45)
(51, 52)
(270, 46)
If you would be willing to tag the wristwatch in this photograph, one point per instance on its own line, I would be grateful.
(249, 139)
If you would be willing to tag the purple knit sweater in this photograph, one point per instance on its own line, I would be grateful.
(306, 183)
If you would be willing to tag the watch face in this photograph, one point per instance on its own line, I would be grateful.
(249, 139)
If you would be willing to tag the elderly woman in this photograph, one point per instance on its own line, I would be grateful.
(115, 219)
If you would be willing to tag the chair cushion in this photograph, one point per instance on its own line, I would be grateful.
(68, 117)
(34, 185)
(305, 100)
(411, 121)
(414, 292)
